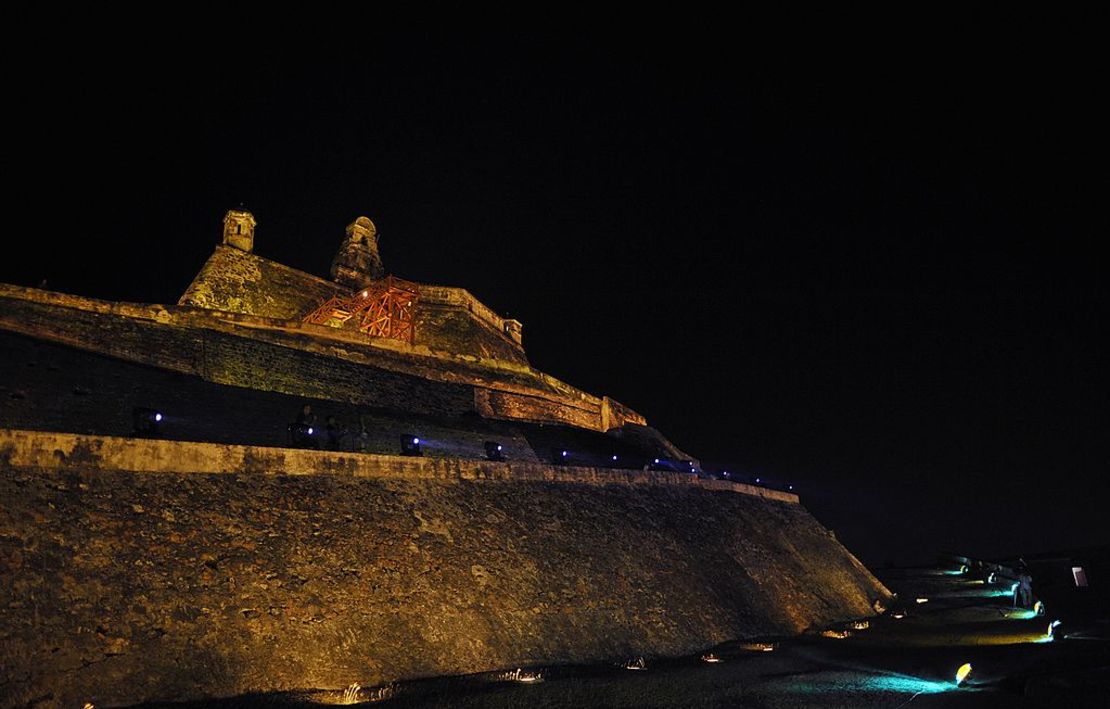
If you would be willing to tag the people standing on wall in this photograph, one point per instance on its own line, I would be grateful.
(303, 430)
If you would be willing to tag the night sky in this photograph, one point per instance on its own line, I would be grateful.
(874, 274)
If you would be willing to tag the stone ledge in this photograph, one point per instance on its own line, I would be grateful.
(39, 450)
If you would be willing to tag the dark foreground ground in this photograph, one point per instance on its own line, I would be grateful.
(894, 662)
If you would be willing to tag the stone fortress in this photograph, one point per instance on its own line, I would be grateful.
(216, 559)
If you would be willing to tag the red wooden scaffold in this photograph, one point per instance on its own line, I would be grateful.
(382, 309)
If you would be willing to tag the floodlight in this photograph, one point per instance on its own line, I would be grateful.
(493, 451)
(962, 673)
(146, 421)
(410, 445)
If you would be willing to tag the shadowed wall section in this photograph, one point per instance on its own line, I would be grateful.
(138, 570)
(306, 360)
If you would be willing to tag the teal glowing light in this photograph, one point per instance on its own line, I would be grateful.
(978, 592)
(838, 681)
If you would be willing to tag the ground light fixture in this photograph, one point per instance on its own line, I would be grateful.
(962, 673)
(146, 421)
(410, 445)
(494, 451)
(1052, 629)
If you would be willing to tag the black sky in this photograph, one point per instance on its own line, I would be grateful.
(876, 273)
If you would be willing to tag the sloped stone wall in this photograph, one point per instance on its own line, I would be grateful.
(122, 586)
(238, 282)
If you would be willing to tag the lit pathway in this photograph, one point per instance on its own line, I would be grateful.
(894, 662)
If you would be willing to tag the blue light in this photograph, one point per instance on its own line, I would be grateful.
(564, 454)
(157, 417)
(657, 461)
(310, 430)
(614, 457)
(415, 441)
(498, 446)
(759, 480)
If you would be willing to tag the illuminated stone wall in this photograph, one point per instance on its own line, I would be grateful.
(533, 408)
(447, 319)
(124, 586)
(452, 328)
(238, 282)
(242, 361)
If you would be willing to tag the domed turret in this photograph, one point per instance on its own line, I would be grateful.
(357, 262)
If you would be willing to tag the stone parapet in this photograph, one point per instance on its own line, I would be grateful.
(46, 450)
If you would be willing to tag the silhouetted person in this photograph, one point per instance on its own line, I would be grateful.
(363, 443)
(335, 434)
(303, 430)
(306, 417)
(1025, 589)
